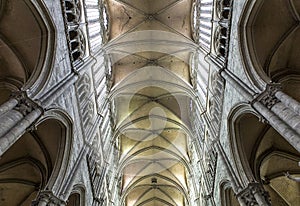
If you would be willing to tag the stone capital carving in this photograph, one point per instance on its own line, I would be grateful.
(48, 198)
(25, 104)
(252, 193)
(268, 97)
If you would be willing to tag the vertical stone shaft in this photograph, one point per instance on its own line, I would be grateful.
(8, 120)
(280, 126)
(18, 130)
(9, 105)
(288, 101)
(287, 115)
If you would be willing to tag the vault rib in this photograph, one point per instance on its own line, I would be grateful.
(188, 90)
(151, 94)
(280, 42)
(176, 184)
(168, 7)
(122, 127)
(147, 191)
(180, 159)
(157, 199)
(294, 10)
(131, 6)
(146, 103)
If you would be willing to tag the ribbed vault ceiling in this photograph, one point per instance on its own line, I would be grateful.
(149, 47)
(135, 15)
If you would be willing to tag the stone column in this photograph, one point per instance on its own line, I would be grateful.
(284, 112)
(47, 198)
(288, 101)
(18, 130)
(254, 195)
(9, 116)
(282, 119)
(17, 119)
(9, 105)
(287, 115)
(20, 112)
(280, 126)
(8, 120)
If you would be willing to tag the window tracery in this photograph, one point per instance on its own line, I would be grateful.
(222, 31)
(104, 20)
(75, 35)
(202, 26)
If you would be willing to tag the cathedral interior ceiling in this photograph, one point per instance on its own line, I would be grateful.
(150, 98)
(275, 36)
(28, 164)
(150, 47)
(270, 156)
(21, 46)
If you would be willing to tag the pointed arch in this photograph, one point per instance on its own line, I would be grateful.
(64, 151)
(268, 43)
(262, 155)
(27, 46)
(77, 196)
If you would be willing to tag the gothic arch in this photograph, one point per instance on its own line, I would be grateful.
(26, 52)
(244, 172)
(64, 153)
(77, 196)
(37, 161)
(269, 33)
(228, 197)
(262, 155)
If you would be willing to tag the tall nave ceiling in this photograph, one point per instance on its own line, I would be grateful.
(150, 43)
(149, 103)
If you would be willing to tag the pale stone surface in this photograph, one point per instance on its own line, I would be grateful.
(91, 121)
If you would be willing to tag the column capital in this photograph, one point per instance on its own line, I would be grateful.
(46, 198)
(250, 193)
(267, 97)
(25, 104)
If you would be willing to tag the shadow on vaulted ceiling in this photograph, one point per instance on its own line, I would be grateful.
(26, 46)
(270, 34)
(135, 15)
(150, 48)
